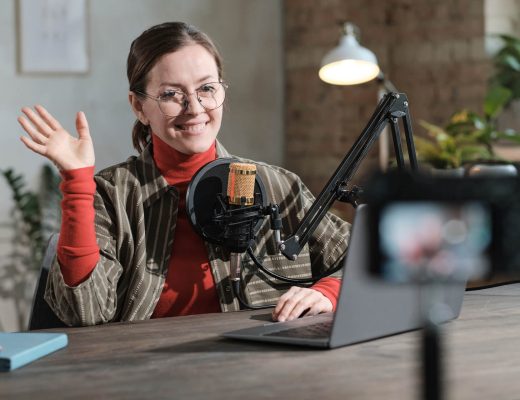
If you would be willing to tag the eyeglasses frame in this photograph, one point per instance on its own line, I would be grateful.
(186, 97)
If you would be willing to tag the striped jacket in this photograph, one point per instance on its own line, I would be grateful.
(136, 212)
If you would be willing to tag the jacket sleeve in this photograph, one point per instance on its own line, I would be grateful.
(94, 300)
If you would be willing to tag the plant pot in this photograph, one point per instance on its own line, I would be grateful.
(492, 170)
(448, 172)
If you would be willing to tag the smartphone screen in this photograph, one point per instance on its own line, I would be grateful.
(432, 240)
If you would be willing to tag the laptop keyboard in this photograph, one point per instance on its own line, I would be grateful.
(314, 331)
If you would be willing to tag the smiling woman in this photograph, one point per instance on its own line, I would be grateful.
(127, 250)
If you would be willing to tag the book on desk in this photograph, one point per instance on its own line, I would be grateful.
(20, 348)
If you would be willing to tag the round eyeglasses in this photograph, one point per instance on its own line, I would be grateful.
(174, 102)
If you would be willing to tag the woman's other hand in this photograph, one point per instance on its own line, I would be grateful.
(48, 138)
(297, 301)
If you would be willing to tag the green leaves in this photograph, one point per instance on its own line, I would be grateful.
(509, 135)
(467, 137)
(496, 99)
(28, 207)
(506, 63)
(36, 210)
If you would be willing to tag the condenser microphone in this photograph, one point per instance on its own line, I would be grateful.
(225, 202)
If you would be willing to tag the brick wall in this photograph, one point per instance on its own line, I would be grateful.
(432, 51)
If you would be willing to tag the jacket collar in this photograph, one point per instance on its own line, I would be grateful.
(153, 184)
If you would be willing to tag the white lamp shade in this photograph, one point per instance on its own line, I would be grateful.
(349, 63)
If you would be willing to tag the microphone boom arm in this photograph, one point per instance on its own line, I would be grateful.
(392, 107)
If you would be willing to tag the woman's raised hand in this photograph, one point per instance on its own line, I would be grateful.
(51, 140)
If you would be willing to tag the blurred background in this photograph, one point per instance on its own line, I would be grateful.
(441, 54)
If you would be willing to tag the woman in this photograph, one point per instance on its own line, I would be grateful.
(126, 250)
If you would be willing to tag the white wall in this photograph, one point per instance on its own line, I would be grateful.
(501, 17)
(248, 33)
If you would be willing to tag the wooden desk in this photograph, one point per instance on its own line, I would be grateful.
(184, 358)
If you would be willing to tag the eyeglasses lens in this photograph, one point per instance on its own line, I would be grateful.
(210, 96)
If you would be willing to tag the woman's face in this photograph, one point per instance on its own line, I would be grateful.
(187, 69)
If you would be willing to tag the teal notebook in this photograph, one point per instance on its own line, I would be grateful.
(20, 348)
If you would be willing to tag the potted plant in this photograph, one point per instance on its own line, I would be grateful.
(468, 137)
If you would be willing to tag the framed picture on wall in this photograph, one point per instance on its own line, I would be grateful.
(52, 36)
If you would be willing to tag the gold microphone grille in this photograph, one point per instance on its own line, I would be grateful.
(241, 184)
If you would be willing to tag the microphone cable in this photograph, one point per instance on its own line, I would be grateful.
(242, 301)
(305, 282)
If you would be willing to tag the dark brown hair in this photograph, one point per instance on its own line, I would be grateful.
(148, 48)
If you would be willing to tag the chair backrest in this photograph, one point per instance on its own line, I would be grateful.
(42, 316)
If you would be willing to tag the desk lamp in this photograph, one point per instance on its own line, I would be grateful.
(349, 63)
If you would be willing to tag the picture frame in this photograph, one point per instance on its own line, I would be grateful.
(52, 36)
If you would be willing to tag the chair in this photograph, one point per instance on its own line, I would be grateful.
(42, 316)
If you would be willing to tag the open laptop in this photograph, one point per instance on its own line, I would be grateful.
(366, 309)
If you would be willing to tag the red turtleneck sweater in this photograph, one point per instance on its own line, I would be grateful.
(189, 287)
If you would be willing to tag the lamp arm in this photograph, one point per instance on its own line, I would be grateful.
(391, 107)
(385, 83)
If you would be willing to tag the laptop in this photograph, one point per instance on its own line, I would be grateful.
(367, 308)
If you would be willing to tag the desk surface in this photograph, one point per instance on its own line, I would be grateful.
(184, 357)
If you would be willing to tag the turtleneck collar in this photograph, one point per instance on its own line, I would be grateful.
(176, 167)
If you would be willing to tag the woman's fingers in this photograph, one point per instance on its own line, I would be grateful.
(303, 301)
(82, 126)
(38, 122)
(289, 304)
(36, 135)
(37, 148)
(300, 301)
(297, 312)
(284, 300)
(47, 117)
